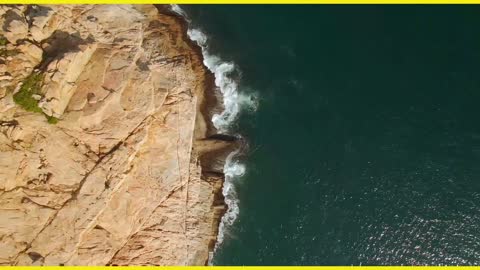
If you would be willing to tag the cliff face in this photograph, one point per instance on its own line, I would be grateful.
(101, 139)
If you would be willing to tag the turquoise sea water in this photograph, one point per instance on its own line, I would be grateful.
(365, 147)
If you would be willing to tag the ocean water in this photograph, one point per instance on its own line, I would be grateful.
(363, 130)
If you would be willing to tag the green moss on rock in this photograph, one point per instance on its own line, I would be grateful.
(24, 97)
(51, 119)
(3, 41)
(3, 48)
(31, 86)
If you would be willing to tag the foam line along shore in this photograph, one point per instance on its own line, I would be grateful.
(233, 103)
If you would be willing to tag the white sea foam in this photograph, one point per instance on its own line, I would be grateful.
(179, 11)
(233, 103)
(232, 170)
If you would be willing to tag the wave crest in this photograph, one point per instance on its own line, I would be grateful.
(233, 103)
(232, 170)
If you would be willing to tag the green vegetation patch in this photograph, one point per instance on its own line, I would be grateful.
(3, 41)
(3, 48)
(51, 119)
(31, 86)
(24, 97)
(6, 53)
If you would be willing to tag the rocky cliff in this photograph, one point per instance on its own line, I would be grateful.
(105, 156)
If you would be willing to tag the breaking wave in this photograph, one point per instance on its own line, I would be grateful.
(233, 103)
(232, 170)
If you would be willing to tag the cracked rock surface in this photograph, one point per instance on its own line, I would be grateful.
(118, 180)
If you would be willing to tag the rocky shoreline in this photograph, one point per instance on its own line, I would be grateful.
(108, 155)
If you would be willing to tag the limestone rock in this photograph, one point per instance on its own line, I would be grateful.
(119, 179)
(14, 23)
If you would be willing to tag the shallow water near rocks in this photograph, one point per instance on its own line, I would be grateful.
(365, 147)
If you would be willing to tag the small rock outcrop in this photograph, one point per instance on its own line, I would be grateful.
(102, 139)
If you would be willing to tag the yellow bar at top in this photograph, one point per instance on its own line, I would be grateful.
(239, 1)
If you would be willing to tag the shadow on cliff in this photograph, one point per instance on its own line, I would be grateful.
(61, 43)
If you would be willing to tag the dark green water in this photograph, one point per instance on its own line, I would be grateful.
(365, 148)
